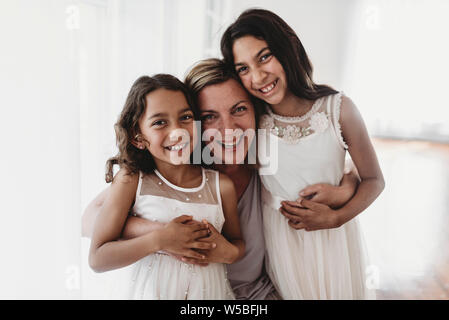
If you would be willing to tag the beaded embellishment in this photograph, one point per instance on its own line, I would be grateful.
(292, 133)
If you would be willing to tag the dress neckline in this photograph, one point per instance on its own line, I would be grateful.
(195, 189)
(315, 106)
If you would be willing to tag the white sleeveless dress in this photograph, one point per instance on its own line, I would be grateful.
(160, 276)
(322, 264)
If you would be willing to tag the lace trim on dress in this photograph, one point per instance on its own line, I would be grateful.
(318, 122)
(336, 119)
(316, 105)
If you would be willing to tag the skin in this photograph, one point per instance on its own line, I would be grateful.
(166, 112)
(258, 68)
(224, 106)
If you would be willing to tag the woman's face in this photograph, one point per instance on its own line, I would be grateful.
(261, 73)
(167, 127)
(228, 115)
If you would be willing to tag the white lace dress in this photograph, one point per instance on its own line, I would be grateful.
(323, 264)
(160, 276)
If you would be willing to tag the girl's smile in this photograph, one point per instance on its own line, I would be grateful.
(259, 70)
(167, 126)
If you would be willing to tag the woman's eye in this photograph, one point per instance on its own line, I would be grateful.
(207, 117)
(239, 109)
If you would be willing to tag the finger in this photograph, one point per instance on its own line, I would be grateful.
(300, 212)
(191, 222)
(289, 216)
(311, 204)
(203, 245)
(310, 190)
(212, 228)
(296, 225)
(194, 261)
(296, 204)
(204, 233)
(189, 253)
(182, 219)
(197, 227)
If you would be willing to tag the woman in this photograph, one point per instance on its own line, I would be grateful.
(224, 104)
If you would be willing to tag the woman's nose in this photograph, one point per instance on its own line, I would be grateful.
(227, 123)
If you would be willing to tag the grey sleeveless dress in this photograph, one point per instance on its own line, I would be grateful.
(248, 278)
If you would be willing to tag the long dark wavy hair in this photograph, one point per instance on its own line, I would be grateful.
(284, 45)
(127, 126)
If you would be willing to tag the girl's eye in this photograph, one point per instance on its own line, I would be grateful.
(158, 123)
(265, 57)
(242, 70)
(186, 117)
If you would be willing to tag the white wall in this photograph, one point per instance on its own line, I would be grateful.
(39, 132)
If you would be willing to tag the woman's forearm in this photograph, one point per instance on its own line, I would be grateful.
(237, 252)
(136, 227)
(368, 190)
(121, 253)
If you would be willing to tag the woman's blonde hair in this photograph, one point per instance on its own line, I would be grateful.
(214, 71)
(205, 73)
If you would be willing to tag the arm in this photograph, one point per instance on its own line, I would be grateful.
(313, 216)
(91, 213)
(333, 196)
(231, 228)
(134, 226)
(365, 160)
(107, 253)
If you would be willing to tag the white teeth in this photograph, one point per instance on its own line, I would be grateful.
(176, 147)
(230, 144)
(268, 88)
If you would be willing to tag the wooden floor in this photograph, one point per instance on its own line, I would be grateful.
(406, 229)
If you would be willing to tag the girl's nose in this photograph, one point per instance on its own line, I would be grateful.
(259, 76)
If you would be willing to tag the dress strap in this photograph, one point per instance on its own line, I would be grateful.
(139, 184)
(333, 109)
(217, 187)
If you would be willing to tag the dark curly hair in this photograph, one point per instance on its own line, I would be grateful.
(127, 126)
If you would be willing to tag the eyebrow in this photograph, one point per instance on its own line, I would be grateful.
(233, 106)
(160, 114)
(258, 54)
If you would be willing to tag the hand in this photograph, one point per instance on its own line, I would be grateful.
(222, 253)
(332, 196)
(188, 260)
(180, 237)
(309, 215)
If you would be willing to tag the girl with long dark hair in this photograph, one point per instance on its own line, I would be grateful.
(314, 252)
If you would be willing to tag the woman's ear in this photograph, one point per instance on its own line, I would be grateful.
(138, 142)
